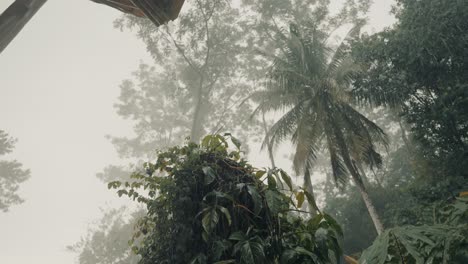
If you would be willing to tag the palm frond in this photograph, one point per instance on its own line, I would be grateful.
(372, 158)
(313, 82)
(340, 53)
(345, 72)
(285, 126)
(339, 171)
(273, 100)
(307, 137)
(376, 133)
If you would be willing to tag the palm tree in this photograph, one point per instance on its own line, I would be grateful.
(311, 83)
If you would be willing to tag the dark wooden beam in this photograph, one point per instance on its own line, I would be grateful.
(15, 17)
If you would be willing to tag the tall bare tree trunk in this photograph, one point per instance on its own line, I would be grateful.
(15, 17)
(197, 127)
(404, 137)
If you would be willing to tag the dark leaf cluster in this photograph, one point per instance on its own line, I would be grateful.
(207, 205)
(444, 242)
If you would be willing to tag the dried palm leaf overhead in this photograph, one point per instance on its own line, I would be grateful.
(158, 11)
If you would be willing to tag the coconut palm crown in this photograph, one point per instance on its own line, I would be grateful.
(311, 83)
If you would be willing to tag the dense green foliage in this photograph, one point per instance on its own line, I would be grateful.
(207, 205)
(446, 241)
(11, 174)
(400, 190)
(419, 68)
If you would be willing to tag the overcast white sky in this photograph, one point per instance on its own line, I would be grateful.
(58, 82)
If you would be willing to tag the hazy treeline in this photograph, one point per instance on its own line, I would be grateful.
(383, 116)
(12, 174)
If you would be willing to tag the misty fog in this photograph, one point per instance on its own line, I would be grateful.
(88, 94)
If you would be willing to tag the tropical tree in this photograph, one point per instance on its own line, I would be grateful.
(197, 80)
(194, 85)
(205, 204)
(418, 67)
(312, 83)
(11, 174)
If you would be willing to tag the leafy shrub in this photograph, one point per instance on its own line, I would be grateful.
(444, 242)
(207, 205)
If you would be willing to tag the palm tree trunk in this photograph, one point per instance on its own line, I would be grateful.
(269, 144)
(370, 207)
(364, 178)
(310, 189)
(358, 181)
(15, 17)
(365, 195)
(270, 150)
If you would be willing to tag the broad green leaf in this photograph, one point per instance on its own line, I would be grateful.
(237, 236)
(256, 198)
(274, 201)
(377, 253)
(210, 220)
(271, 181)
(236, 142)
(285, 177)
(259, 174)
(226, 213)
(251, 251)
(300, 198)
(206, 141)
(210, 175)
(311, 200)
(333, 224)
(321, 235)
(246, 253)
(411, 248)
